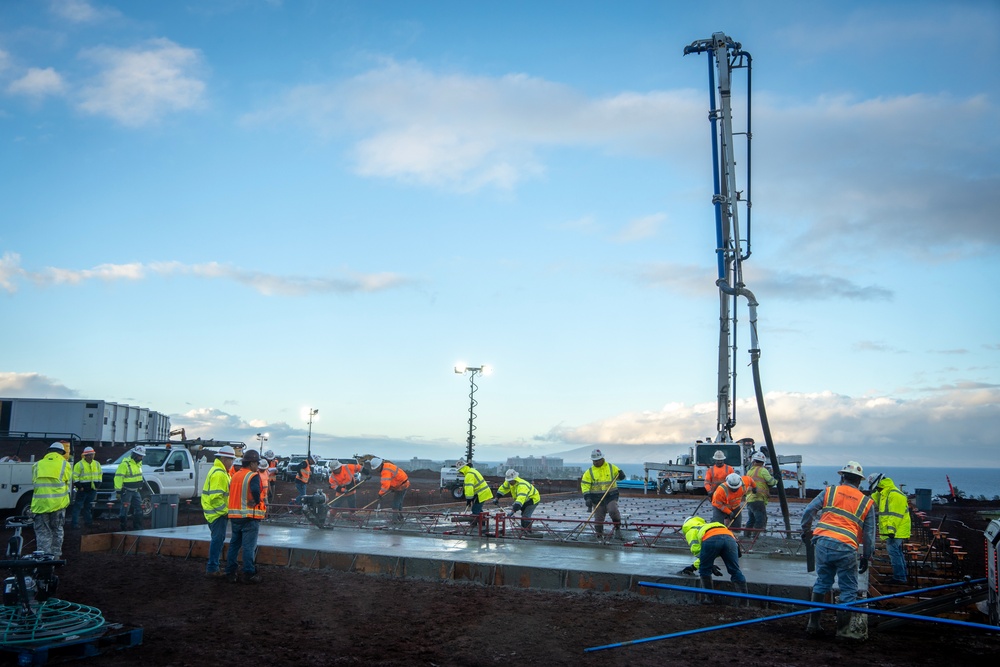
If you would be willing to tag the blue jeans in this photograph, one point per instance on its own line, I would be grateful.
(131, 504)
(218, 530)
(718, 516)
(725, 546)
(302, 489)
(85, 501)
(894, 545)
(244, 537)
(836, 559)
(757, 514)
(526, 512)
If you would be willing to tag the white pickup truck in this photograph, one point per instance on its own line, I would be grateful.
(15, 487)
(167, 470)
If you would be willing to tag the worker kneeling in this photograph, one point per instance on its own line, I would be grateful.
(709, 541)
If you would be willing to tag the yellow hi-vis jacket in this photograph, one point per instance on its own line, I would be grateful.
(893, 510)
(88, 474)
(598, 480)
(51, 478)
(699, 534)
(215, 492)
(764, 480)
(128, 475)
(475, 486)
(521, 491)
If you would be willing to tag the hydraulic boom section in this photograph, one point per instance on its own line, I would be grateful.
(725, 56)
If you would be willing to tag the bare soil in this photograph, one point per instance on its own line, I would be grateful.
(317, 617)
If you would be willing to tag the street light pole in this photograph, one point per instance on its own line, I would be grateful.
(262, 438)
(312, 413)
(472, 371)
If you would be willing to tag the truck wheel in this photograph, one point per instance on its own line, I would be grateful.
(666, 488)
(147, 504)
(23, 507)
(458, 492)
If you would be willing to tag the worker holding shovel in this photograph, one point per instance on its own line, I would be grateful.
(600, 491)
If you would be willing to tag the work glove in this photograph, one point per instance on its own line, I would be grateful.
(862, 565)
(496, 500)
(341, 489)
(688, 570)
(516, 507)
(807, 535)
(621, 474)
(716, 571)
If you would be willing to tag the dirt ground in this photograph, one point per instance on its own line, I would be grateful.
(314, 617)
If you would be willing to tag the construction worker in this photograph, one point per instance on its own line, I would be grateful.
(344, 479)
(718, 472)
(600, 492)
(302, 476)
(727, 501)
(477, 491)
(128, 485)
(709, 541)
(215, 505)
(86, 476)
(51, 477)
(271, 474)
(526, 498)
(757, 499)
(393, 480)
(844, 522)
(247, 509)
(893, 522)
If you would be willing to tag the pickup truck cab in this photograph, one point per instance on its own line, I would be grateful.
(166, 470)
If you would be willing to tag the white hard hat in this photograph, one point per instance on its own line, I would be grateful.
(227, 451)
(693, 522)
(733, 481)
(57, 446)
(269, 454)
(759, 456)
(852, 468)
(510, 475)
(375, 462)
(874, 479)
(139, 450)
(336, 465)
(719, 455)
(596, 455)
(88, 450)
(461, 463)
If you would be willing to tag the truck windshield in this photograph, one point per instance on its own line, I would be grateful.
(704, 454)
(153, 458)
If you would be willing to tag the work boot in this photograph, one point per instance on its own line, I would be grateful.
(708, 585)
(742, 586)
(851, 625)
(814, 629)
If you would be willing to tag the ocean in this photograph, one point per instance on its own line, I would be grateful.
(975, 482)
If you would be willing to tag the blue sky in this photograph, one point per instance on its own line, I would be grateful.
(230, 210)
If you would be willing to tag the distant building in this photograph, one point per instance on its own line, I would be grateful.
(95, 423)
(420, 464)
(544, 466)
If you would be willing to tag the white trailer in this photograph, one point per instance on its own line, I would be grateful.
(92, 422)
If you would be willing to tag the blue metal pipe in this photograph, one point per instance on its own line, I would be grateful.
(801, 612)
(825, 605)
(719, 250)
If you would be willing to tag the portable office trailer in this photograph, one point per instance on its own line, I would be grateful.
(93, 422)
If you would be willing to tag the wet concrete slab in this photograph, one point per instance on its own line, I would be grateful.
(426, 549)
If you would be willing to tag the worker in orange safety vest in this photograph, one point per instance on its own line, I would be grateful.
(727, 501)
(717, 474)
(394, 481)
(247, 509)
(344, 479)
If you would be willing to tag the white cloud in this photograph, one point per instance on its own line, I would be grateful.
(268, 284)
(32, 385)
(641, 228)
(139, 86)
(467, 132)
(80, 11)
(964, 415)
(38, 83)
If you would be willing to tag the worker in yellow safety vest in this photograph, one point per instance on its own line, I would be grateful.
(51, 478)
(86, 477)
(707, 542)
(599, 485)
(215, 505)
(128, 487)
(526, 498)
(757, 499)
(893, 509)
(477, 491)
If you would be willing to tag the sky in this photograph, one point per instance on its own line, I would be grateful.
(231, 211)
